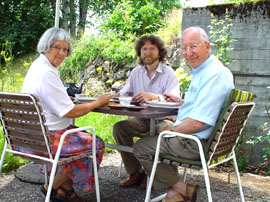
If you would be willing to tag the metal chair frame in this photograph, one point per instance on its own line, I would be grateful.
(221, 148)
(23, 125)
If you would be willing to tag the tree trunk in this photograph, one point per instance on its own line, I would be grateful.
(83, 8)
(72, 19)
(65, 12)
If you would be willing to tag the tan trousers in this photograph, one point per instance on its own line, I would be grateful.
(166, 175)
(125, 130)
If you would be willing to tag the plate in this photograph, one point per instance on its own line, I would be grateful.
(163, 104)
(130, 107)
(90, 99)
(86, 99)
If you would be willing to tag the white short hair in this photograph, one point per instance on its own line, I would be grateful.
(51, 35)
(203, 34)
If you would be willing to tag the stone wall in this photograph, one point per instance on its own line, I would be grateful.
(251, 55)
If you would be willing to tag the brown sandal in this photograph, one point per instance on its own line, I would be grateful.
(175, 198)
(53, 197)
(70, 196)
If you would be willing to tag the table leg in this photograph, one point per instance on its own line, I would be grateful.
(152, 131)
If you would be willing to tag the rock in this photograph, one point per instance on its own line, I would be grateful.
(94, 87)
(118, 85)
(119, 75)
(106, 66)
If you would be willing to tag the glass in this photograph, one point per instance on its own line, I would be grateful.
(151, 49)
(65, 50)
(192, 47)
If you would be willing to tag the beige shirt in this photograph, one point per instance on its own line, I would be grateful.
(163, 81)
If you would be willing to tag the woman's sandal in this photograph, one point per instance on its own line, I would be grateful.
(70, 196)
(53, 196)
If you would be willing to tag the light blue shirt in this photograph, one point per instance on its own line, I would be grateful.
(209, 89)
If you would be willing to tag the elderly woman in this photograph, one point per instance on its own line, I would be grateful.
(43, 80)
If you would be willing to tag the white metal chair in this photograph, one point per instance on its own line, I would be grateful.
(220, 146)
(23, 125)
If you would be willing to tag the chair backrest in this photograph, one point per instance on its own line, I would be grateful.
(229, 126)
(23, 122)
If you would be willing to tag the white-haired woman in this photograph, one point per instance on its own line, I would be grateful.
(43, 80)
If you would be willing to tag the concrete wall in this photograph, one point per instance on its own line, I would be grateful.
(251, 68)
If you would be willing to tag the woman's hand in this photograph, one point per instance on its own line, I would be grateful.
(113, 95)
(103, 99)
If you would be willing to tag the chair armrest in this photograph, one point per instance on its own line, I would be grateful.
(168, 134)
(73, 131)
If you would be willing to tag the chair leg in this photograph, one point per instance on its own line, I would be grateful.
(238, 178)
(94, 158)
(45, 167)
(3, 155)
(120, 168)
(185, 174)
(207, 183)
(54, 166)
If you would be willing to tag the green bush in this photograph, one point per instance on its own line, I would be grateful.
(127, 19)
(10, 162)
(85, 51)
(220, 32)
(116, 50)
(23, 22)
(109, 46)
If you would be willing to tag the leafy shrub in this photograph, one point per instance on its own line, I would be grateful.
(23, 22)
(220, 32)
(172, 27)
(264, 139)
(127, 19)
(85, 51)
(119, 51)
(10, 162)
(184, 79)
(109, 47)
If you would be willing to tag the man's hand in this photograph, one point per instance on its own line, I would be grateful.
(144, 97)
(166, 128)
(172, 98)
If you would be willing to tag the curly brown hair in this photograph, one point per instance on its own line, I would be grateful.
(155, 41)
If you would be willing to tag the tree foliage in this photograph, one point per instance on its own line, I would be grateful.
(127, 19)
(22, 22)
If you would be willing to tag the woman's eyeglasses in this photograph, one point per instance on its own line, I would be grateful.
(65, 50)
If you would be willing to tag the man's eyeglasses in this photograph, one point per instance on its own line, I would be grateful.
(192, 47)
(145, 49)
(65, 50)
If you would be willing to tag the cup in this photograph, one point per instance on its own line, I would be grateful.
(125, 101)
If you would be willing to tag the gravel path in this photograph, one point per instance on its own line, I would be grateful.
(256, 188)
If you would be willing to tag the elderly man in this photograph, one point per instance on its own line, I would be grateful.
(148, 81)
(209, 89)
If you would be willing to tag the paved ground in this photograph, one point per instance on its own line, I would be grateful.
(256, 188)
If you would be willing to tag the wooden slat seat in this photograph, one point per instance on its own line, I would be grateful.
(221, 143)
(24, 126)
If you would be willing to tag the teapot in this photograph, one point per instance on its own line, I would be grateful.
(73, 89)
